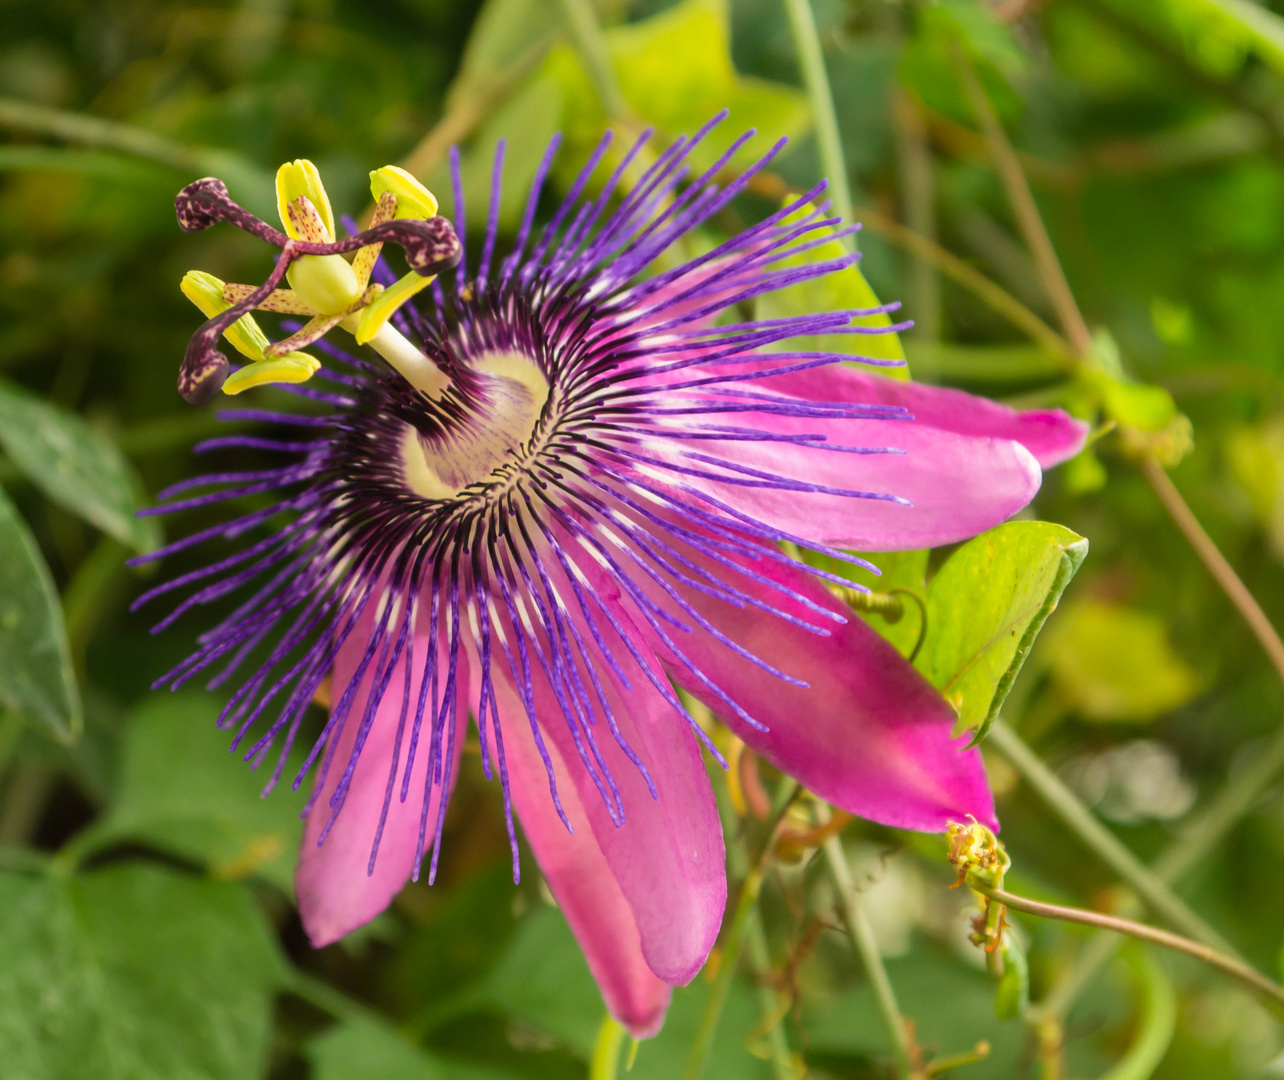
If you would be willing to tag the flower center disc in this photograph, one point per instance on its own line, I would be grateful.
(493, 410)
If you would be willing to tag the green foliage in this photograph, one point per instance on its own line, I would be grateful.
(1150, 133)
(181, 791)
(986, 607)
(76, 466)
(133, 972)
(542, 979)
(363, 1046)
(36, 679)
(675, 72)
(1115, 663)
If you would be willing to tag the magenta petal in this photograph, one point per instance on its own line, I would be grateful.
(335, 892)
(953, 486)
(1051, 435)
(580, 877)
(667, 857)
(868, 734)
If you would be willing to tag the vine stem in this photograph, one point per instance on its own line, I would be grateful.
(1024, 206)
(866, 948)
(1108, 847)
(1216, 562)
(811, 59)
(1228, 965)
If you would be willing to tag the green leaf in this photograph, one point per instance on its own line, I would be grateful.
(986, 607)
(544, 980)
(839, 290)
(928, 68)
(675, 71)
(1255, 460)
(364, 1046)
(76, 466)
(1150, 408)
(36, 677)
(1115, 663)
(527, 122)
(134, 973)
(506, 36)
(181, 791)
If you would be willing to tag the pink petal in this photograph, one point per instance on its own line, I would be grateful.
(335, 893)
(956, 485)
(667, 858)
(1051, 435)
(868, 734)
(580, 877)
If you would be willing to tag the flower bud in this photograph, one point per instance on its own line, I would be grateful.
(975, 851)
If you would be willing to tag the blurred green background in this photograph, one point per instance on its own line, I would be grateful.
(146, 919)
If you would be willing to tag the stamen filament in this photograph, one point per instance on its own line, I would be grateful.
(409, 360)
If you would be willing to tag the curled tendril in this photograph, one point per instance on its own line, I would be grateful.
(430, 246)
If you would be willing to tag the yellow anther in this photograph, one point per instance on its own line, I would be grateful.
(206, 292)
(297, 179)
(294, 368)
(413, 199)
(380, 309)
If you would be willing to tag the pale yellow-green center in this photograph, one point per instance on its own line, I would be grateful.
(494, 431)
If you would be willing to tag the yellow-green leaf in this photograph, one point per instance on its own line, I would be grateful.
(1115, 663)
(986, 607)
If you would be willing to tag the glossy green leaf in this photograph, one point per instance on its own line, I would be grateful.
(838, 290)
(76, 466)
(675, 70)
(986, 607)
(181, 791)
(1115, 663)
(134, 973)
(1215, 35)
(36, 677)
